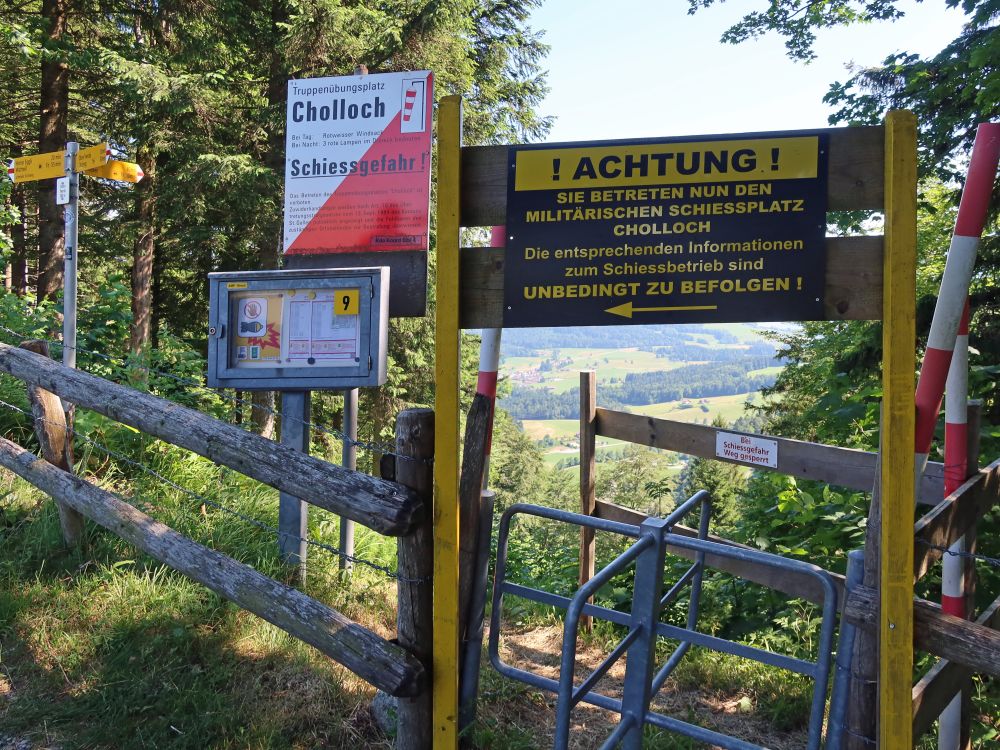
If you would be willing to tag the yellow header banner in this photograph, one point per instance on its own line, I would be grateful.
(631, 164)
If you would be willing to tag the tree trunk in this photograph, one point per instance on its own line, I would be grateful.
(19, 243)
(54, 101)
(269, 244)
(142, 256)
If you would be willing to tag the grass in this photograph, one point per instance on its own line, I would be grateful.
(106, 648)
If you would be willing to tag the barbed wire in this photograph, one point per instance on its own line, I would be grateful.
(202, 499)
(995, 562)
(863, 738)
(381, 448)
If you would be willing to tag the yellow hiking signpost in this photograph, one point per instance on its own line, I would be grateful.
(92, 157)
(120, 171)
(37, 167)
(65, 167)
(94, 161)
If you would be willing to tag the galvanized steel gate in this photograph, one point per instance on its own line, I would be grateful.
(642, 679)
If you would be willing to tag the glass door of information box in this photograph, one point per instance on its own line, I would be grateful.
(302, 329)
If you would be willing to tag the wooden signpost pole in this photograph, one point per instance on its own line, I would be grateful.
(446, 437)
(898, 428)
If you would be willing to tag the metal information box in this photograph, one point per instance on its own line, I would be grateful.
(303, 329)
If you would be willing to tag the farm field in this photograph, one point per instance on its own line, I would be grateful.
(611, 364)
(702, 410)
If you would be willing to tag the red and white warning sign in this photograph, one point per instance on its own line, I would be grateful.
(358, 163)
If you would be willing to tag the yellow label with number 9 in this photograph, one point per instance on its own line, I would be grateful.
(347, 302)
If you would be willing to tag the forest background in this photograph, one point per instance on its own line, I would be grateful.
(194, 92)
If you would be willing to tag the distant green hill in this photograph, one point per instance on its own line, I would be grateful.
(527, 341)
(638, 389)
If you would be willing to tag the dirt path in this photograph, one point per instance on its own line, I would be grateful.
(538, 650)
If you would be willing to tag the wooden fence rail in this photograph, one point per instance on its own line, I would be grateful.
(386, 507)
(974, 646)
(935, 689)
(953, 517)
(399, 668)
(845, 467)
(969, 644)
(380, 662)
(965, 648)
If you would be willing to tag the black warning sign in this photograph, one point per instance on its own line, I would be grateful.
(667, 231)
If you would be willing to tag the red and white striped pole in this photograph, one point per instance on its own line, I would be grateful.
(955, 287)
(489, 363)
(945, 365)
(956, 462)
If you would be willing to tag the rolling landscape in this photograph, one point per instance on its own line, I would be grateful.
(689, 373)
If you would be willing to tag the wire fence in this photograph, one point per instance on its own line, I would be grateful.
(126, 363)
(204, 500)
(992, 561)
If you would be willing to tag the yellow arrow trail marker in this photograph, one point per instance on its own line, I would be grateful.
(92, 157)
(37, 167)
(626, 309)
(122, 171)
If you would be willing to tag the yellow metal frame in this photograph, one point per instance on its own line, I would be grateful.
(898, 423)
(447, 366)
(897, 481)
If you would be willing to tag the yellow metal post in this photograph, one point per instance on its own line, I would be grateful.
(898, 423)
(446, 418)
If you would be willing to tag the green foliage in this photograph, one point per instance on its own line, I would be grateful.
(516, 466)
(723, 481)
(950, 91)
(802, 519)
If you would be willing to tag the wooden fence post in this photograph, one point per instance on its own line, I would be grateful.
(414, 617)
(56, 442)
(588, 468)
(470, 490)
(862, 708)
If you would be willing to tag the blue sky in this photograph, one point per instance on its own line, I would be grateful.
(645, 68)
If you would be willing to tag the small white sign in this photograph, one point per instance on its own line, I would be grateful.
(746, 449)
(62, 191)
